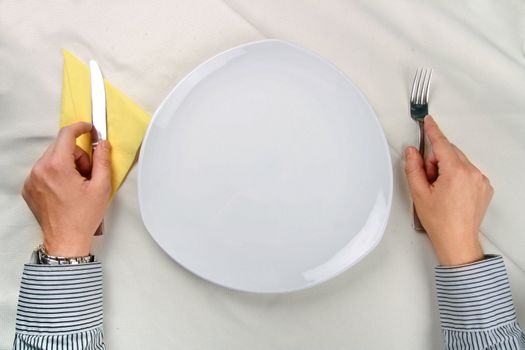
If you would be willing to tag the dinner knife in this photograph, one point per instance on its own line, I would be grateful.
(98, 113)
(98, 104)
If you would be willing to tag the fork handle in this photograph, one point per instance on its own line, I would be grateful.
(417, 223)
(421, 139)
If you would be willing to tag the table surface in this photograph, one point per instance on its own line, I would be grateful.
(477, 50)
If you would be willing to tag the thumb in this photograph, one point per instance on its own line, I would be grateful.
(415, 172)
(101, 171)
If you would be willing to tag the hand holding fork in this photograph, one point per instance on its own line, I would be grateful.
(450, 194)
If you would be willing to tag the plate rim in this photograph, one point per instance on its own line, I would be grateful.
(381, 230)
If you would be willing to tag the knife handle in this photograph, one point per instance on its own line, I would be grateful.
(100, 229)
(94, 142)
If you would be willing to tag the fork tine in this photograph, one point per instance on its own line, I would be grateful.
(414, 85)
(427, 90)
(420, 86)
(423, 86)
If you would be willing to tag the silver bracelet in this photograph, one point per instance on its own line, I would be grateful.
(45, 259)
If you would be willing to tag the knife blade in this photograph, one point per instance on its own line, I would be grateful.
(98, 114)
(98, 104)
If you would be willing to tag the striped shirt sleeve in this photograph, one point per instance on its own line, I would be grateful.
(60, 307)
(476, 307)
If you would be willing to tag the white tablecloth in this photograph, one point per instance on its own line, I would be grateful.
(477, 50)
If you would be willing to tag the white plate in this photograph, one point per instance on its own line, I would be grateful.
(265, 170)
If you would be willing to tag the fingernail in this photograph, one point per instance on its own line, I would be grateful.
(408, 152)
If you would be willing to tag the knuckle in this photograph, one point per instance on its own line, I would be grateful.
(23, 192)
(475, 173)
(487, 184)
(53, 165)
(477, 177)
(37, 172)
(461, 170)
(28, 189)
(63, 130)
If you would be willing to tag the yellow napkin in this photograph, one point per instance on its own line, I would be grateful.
(126, 121)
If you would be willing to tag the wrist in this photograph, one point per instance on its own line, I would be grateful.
(67, 248)
(462, 255)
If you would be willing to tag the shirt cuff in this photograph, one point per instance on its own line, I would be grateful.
(475, 296)
(60, 298)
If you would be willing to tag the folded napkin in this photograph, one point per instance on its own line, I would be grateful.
(126, 121)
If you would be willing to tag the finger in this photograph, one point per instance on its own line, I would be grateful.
(441, 147)
(65, 143)
(82, 162)
(415, 173)
(101, 171)
(431, 167)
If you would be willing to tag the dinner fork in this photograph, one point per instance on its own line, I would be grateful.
(418, 111)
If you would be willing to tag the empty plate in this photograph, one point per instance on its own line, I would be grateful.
(265, 170)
